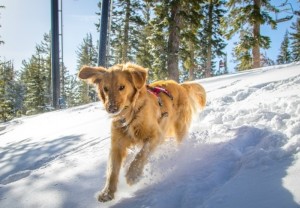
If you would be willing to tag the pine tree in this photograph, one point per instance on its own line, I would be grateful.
(36, 77)
(34, 81)
(162, 35)
(284, 56)
(190, 29)
(242, 52)
(190, 39)
(125, 29)
(201, 37)
(143, 55)
(245, 18)
(174, 39)
(7, 86)
(72, 96)
(188, 56)
(212, 42)
(158, 40)
(87, 55)
(167, 26)
(45, 49)
(295, 40)
(68, 91)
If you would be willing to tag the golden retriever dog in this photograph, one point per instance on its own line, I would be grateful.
(141, 115)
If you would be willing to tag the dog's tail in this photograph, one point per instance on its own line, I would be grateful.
(197, 95)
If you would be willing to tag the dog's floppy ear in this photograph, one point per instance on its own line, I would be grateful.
(92, 74)
(138, 74)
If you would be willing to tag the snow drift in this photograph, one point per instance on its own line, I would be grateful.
(242, 151)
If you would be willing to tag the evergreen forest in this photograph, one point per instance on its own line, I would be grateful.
(175, 39)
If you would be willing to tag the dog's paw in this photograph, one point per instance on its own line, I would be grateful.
(105, 196)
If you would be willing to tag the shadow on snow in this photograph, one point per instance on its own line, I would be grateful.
(19, 158)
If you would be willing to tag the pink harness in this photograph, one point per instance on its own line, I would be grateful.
(156, 90)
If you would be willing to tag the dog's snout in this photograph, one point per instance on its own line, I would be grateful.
(112, 108)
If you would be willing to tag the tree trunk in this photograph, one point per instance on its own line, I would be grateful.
(256, 35)
(192, 71)
(208, 70)
(192, 64)
(173, 42)
(126, 33)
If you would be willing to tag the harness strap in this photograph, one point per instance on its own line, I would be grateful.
(157, 90)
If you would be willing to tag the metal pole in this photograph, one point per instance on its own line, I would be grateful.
(55, 53)
(108, 33)
(103, 33)
(62, 86)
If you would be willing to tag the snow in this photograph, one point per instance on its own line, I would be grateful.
(243, 150)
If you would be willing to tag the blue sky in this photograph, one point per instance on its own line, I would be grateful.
(25, 21)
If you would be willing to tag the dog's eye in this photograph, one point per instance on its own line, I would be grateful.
(105, 89)
(122, 87)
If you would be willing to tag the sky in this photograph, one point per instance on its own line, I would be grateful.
(24, 23)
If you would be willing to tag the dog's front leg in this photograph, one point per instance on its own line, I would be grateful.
(137, 165)
(116, 156)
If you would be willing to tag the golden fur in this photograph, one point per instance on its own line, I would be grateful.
(138, 119)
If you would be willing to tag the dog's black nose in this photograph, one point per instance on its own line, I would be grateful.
(112, 108)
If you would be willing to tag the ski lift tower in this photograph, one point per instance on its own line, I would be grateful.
(104, 40)
(56, 57)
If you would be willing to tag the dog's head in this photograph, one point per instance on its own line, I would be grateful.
(117, 86)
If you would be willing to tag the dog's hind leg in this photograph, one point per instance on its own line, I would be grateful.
(181, 128)
(137, 165)
(181, 132)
